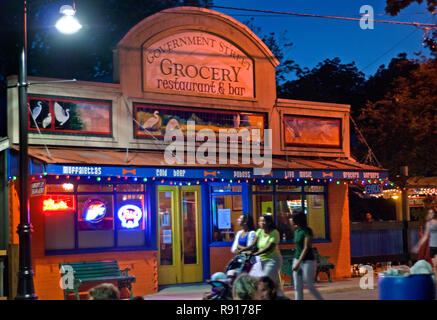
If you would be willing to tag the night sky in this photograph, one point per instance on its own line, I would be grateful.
(316, 39)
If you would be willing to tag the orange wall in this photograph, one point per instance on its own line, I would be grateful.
(338, 249)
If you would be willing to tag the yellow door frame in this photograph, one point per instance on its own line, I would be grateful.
(178, 272)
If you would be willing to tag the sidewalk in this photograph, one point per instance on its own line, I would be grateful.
(195, 291)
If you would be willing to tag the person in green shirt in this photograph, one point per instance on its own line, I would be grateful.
(267, 240)
(304, 263)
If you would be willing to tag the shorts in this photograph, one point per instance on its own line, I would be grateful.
(432, 251)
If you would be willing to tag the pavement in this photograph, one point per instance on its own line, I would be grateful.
(340, 289)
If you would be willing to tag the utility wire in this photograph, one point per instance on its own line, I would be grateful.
(416, 24)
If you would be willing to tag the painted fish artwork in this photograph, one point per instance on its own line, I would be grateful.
(310, 131)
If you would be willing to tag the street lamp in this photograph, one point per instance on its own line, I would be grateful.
(25, 289)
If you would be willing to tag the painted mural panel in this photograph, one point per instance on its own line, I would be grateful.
(197, 63)
(68, 116)
(153, 121)
(312, 131)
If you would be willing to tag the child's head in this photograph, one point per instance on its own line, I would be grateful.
(266, 289)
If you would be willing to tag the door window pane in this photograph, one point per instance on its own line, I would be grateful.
(165, 213)
(59, 230)
(189, 224)
(130, 219)
(262, 204)
(95, 221)
(316, 214)
(285, 205)
(225, 210)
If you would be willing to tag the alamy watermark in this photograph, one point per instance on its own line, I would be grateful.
(67, 278)
(248, 141)
(367, 281)
(367, 20)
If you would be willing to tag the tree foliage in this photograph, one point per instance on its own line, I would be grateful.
(330, 81)
(279, 45)
(401, 126)
(393, 7)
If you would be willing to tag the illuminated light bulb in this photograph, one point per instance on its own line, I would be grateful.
(68, 24)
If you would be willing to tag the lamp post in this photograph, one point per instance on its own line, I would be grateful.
(25, 288)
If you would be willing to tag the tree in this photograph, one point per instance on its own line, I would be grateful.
(401, 127)
(383, 80)
(393, 8)
(277, 44)
(330, 81)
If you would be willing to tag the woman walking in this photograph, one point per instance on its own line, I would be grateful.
(267, 240)
(431, 235)
(304, 263)
(245, 236)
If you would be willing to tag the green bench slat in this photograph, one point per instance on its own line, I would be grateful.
(96, 271)
(109, 278)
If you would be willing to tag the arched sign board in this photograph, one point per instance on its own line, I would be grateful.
(197, 63)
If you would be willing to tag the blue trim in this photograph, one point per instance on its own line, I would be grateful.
(152, 212)
(205, 230)
(221, 244)
(245, 196)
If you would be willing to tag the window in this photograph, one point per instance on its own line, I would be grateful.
(226, 207)
(104, 216)
(283, 200)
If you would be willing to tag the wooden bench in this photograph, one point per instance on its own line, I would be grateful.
(94, 271)
(323, 265)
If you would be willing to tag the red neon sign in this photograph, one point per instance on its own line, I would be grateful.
(59, 204)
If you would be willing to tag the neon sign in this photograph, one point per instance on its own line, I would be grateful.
(95, 211)
(130, 215)
(51, 205)
(62, 204)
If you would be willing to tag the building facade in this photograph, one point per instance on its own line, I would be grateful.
(110, 183)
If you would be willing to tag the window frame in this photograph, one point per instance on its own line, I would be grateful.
(148, 226)
(211, 196)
